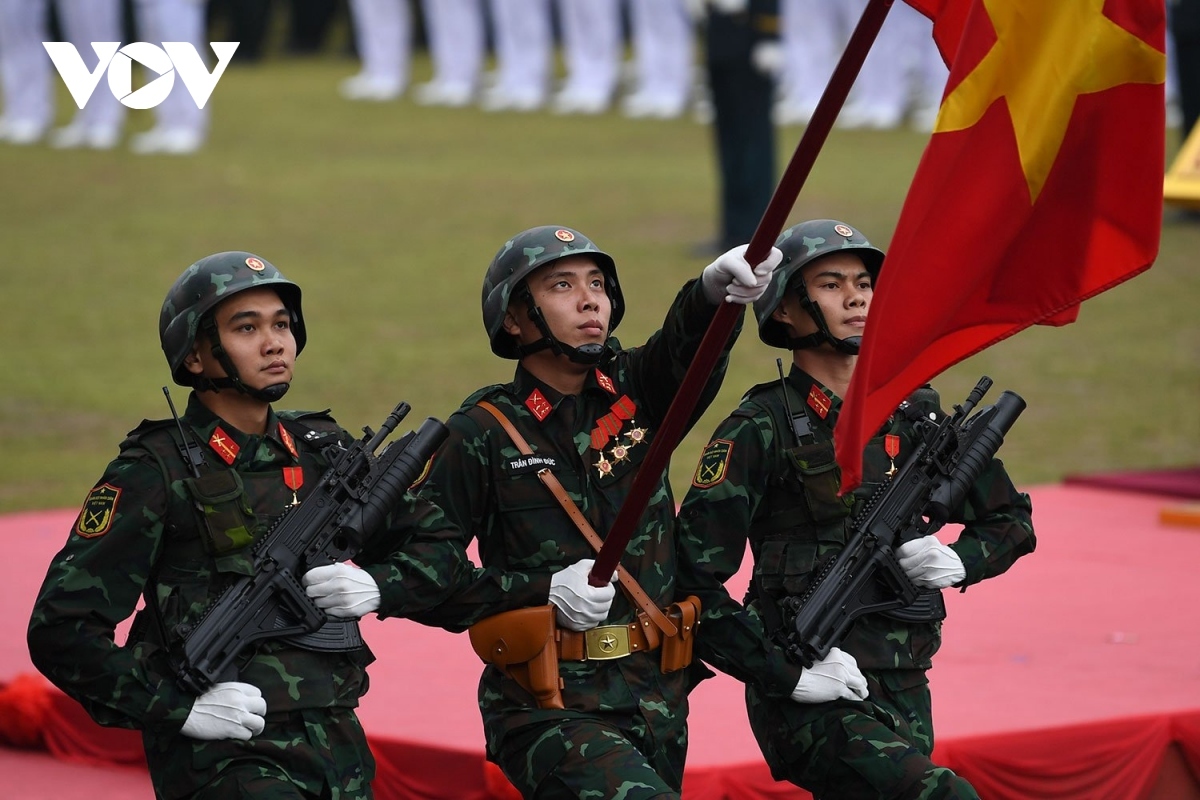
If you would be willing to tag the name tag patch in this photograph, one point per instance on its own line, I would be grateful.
(532, 463)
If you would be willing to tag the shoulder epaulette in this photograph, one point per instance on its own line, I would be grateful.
(311, 426)
(146, 427)
(759, 389)
(752, 403)
(481, 394)
(926, 395)
(293, 414)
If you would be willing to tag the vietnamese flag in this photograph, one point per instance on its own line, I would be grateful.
(1041, 186)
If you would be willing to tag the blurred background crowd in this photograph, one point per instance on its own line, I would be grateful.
(743, 66)
(641, 58)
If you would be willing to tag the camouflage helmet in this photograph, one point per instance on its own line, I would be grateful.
(205, 284)
(801, 244)
(520, 256)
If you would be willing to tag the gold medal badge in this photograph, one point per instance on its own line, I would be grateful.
(636, 435)
(604, 466)
(96, 516)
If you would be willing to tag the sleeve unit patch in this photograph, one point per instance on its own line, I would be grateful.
(424, 474)
(714, 463)
(96, 516)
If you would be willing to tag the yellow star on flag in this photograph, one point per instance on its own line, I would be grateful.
(1047, 53)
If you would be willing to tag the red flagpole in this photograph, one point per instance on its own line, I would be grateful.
(723, 322)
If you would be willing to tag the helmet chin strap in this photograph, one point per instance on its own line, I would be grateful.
(269, 394)
(586, 354)
(848, 346)
(232, 380)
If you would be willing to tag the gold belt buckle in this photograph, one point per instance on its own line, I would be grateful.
(606, 642)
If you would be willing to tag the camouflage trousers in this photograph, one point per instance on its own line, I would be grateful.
(872, 750)
(314, 754)
(588, 757)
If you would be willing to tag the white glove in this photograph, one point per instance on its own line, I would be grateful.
(580, 605)
(835, 677)
(731, 279)
(930, 564)
(342, 590)
(229, 710)
(767, 58)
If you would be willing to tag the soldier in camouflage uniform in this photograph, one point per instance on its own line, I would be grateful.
(768, 475)
(230, 327)
(587, 409)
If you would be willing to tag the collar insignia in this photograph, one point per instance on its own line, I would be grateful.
(538, 405)
(288, 442)
(819, 402)
(225, 447)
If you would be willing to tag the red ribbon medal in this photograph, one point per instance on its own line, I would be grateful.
(293, 478)
(891, 446)
(608, 427)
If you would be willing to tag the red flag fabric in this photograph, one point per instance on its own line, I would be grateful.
(949, 18)
(1041, 186)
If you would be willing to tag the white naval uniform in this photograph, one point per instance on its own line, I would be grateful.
(179, 126)
(523, 55)
(663, 39)
(454, 30)
(26, 71)
(591, 42)
(383, 35)
(98, 124)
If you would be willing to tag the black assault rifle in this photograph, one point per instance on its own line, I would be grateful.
(348, 504)
(865, 576)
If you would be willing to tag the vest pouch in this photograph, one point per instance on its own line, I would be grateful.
(821, 478)
(228, 521)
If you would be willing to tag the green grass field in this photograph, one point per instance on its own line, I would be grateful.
(387, 215)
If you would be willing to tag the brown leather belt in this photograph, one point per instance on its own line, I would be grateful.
(607, 641)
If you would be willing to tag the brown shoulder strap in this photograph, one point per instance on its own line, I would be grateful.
(634, 590)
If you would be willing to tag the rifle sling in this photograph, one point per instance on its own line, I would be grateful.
(632, 589)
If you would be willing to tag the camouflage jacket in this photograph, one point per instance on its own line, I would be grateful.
(490, 490)
(140, 532)
(755, 482)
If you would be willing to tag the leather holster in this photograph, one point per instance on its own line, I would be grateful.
(521, 643)
(677, 649)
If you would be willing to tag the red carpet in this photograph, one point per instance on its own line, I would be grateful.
(1175, 482)
(1076, 675)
